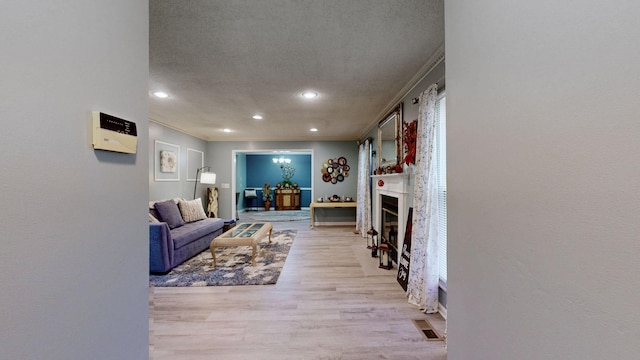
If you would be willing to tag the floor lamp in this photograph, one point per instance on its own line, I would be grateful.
(206, 177)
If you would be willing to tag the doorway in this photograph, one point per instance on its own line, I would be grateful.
(253, 168)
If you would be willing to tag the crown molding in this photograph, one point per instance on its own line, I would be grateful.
(178, 130)
(429, 65)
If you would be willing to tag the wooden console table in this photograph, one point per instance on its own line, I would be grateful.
(329, 204)
(287, 199)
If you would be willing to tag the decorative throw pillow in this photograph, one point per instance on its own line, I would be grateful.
(153, 219)
(169, 213)
(192, 210)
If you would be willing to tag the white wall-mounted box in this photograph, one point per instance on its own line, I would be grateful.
(114, 134)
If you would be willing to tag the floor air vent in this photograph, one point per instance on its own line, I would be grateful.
(427, 331)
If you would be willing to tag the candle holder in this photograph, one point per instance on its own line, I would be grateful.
(372, 237)
(385, 257)
(374, 243)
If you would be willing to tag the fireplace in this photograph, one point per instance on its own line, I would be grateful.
(389, 224)
(390, 209)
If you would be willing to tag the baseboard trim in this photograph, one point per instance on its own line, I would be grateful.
(335, 223)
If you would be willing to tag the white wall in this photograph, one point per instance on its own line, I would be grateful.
(162, 190)
(544, 179)
(74, 257)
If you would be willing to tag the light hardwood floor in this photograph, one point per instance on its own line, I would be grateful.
(330, 302)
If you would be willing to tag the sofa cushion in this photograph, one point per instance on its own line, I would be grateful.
(169, 213)
(153, 219)
(154, 213)
(195, 230)
(191, 210)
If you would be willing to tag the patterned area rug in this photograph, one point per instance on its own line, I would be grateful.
(234, 265)
(275, 216)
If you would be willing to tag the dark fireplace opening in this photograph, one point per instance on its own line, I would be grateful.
(389, 221)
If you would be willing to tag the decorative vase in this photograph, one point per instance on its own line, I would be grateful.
(267, 205)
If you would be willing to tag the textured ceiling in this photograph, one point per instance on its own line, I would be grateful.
(222, 61)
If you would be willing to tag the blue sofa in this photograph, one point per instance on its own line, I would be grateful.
(169, 248)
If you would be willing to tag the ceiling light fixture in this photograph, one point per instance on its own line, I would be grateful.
(309, 94)
(161, 95)
(226, 130)
(257, 117)
(281, 160)
(313, 130)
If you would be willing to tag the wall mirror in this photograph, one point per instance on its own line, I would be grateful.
(390, 138)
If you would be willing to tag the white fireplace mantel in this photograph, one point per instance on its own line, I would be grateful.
(396, 183)
(396, 186)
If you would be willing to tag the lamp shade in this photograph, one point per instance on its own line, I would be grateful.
(208, 178)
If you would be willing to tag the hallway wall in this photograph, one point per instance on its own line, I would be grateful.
(543, 179)
(74, 262)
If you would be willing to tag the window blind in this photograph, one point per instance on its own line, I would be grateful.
(441, 178)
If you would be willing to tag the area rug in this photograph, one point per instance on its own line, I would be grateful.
(275, 216)
(234, 265)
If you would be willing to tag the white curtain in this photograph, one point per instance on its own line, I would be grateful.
(363, 211)
(422, 288)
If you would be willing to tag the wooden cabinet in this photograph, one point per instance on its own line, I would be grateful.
(287, 199)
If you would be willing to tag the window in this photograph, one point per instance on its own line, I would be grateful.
(441, 179)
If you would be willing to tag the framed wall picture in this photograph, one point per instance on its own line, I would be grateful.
(195, 161)
(166, 161)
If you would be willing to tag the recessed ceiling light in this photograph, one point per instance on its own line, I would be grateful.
(226, 130)
(309, 94)
(161, 95)
(257, 117)
(313, 129)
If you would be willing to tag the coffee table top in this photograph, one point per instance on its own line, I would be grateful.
(244, 230)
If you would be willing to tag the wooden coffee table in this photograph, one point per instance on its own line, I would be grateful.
(246, 234)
